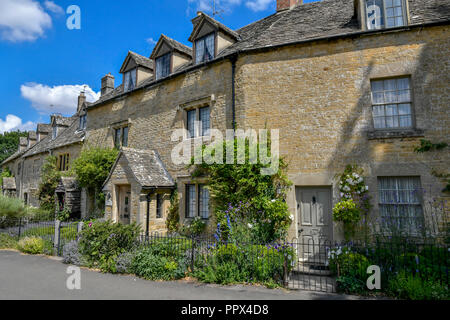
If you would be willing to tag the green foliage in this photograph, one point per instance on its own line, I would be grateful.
(12, 207)
(229, 263)
(346, 211)
(40, 214)
(9, 142)
(50, 177)
(151, 266)
(173, 216)
(350, 285)
(93, 165)
(344, 262)
(66, 233)
(63, 215)
(101, 242)
(428, 146)
(6, 173)
(33, 245)
(7, 242)
(408, 286)
(242, 183)
(193, 228)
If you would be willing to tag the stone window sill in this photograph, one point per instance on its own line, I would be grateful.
(389, 134)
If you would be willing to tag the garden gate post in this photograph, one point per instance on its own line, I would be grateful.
(57, 236)
(79, 228)
(285, 272)
(192, 253)
(20, 227)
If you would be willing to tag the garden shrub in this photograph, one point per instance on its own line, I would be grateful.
(7, 242)
(71, 254)
(344, 262)
(408, 286)
(229, 263)
(150, 266)
(11, 207)
(124, 262)
(350, 285)
(31, 245)
(193, 228)
(101, 242)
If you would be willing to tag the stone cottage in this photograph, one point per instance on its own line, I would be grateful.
(344, 81)
(63, 137)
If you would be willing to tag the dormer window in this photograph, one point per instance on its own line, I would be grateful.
(83, 122)
(385, 14)
(129, 80)
(205, 48)
(163, 66)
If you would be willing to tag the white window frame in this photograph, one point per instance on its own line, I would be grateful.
(195, 207)
(204, 40)
(198, 122)
(130, 78)
(395, 206)
(397, 104)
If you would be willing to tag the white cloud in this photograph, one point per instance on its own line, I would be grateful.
(12, 123)
(151, 41)
(58, 99)
(22, 20)
(53, 7)
(259, 5)
(207, 5)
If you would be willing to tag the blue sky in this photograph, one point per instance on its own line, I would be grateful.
(44, 64)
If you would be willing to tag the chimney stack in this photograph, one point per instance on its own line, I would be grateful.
(287, 4)
(81, 100)
(107, 84)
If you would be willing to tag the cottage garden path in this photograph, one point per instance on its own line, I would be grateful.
(44, 278)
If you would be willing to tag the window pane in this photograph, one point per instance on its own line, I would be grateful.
(377, 86)
(375, 19)
(209, 47)
(191, 117)
(404, 109)
(163, 66)
(390, 96)
(190, 201)
(117, 135)
(399, 21)
(400, 203)
(378, 97)
(379, 123)
(388, 3)
(403, 83)
(391, 110)
(199, 50)
(159, 206)
(405, 121)
(203, 202)
(205, 122)
(125, 137)
(378, 111)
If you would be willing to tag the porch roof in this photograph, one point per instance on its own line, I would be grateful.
(147, 168)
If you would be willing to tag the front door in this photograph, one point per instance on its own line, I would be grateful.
(125, 205)
(314, 222)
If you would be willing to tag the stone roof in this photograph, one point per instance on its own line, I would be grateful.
(175, 45)
(203, 16)
(23, 141)
(32, 135)
(44, 127)
(9, 184)
(138, 59)
(309, 21)
(147, 168)
(67, 137)
(62, 121)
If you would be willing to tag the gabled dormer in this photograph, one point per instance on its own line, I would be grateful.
(382, 14)
(32, 138)
(59, 123)
(42, 131)
(135, 69)
(169, 55)
(210, 38)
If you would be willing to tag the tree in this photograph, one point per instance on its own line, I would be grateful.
(92, 168)
(5, 174)
(9, 142)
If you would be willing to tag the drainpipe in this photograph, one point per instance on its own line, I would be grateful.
(233, 60)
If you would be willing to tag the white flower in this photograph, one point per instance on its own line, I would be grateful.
(291, 217)
(250, 226)
(367, 188)
(342, 195)
(273, 200)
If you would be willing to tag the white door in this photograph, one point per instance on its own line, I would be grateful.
(314, 222)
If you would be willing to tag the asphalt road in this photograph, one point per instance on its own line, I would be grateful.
(24, 277)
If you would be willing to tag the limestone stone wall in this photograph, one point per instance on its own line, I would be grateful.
(318, 96)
